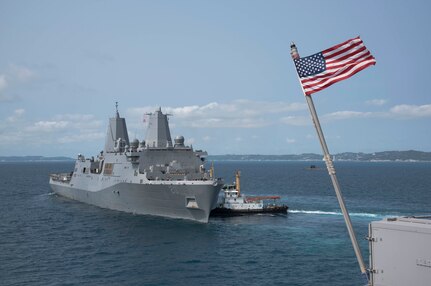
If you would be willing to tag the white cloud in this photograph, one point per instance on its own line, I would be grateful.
(195, 110)
(16, 127)
(17, 115)
(265, 107)
(7, 138)
(403, 111)
(81, 137)
(226, 123)
(347, 115)
(3, 86)
(296, 120)
(48, 126)
(80, 121)
(190, 141)
(290, 140)
(21, 73)
(75, 117)
(236, 114)
(64, 129)
(255, 114)
(3, 82)
(376, 102)
(411, 111)
(15, 75)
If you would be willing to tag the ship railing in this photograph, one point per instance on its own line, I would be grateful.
(62, 177)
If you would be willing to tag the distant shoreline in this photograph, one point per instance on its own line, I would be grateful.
(17, 159)
(385, 156)
(282, 160)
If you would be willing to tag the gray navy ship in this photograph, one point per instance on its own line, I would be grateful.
(155, 177)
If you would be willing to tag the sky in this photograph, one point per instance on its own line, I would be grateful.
(222, 69)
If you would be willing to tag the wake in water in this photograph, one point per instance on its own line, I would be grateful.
(47, 194)
(318, 212)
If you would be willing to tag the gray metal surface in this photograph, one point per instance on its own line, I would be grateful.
(168, 200)
(158, 134)
(157, 179)
(400, 252)
(116, 129)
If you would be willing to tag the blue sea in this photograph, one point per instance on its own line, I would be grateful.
(49, 240)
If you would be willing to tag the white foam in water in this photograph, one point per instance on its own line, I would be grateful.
(333, 213)
(47, 194)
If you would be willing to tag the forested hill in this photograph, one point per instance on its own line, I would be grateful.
(410, 155)
(32, 159)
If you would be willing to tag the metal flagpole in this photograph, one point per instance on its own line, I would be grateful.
(331, 171)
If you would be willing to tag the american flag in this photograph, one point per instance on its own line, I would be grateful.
(318, 71)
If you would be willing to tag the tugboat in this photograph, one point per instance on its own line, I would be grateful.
(233, 203)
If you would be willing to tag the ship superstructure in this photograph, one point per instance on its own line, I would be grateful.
(154, 176)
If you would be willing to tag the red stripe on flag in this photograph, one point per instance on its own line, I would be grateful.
(336, 70)
(342, 61)
(350, 48)
(352, 54)
(318, 87)
(340, 45)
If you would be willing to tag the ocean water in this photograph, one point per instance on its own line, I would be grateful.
(49, 240)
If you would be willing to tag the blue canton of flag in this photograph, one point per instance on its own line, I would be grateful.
(332, 65)
(310, 65)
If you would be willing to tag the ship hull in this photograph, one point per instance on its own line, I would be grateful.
(185, 201)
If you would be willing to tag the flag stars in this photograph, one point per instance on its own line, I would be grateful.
(310, 65)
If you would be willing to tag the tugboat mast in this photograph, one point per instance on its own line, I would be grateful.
(238, 182)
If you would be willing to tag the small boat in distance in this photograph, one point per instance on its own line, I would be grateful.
(233, 203)
(313, 167)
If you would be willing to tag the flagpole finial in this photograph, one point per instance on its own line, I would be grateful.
(294, 51)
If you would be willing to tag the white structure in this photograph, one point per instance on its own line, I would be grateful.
(400, 251)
